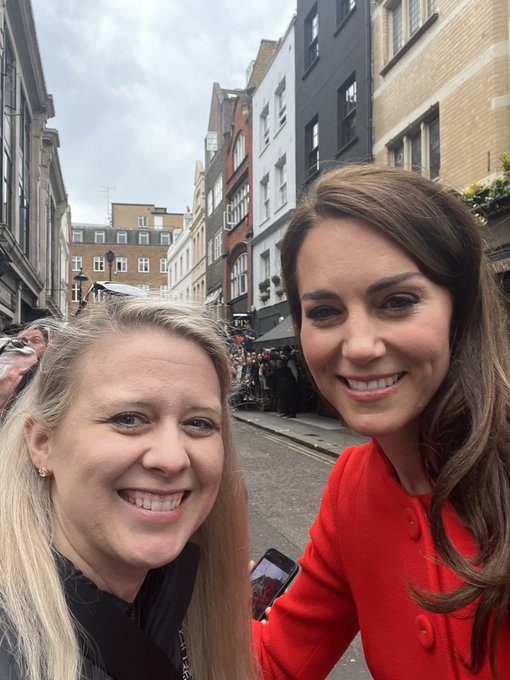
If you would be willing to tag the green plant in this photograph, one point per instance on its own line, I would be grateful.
(488, 197)
(276, 280)
(505, 161)
(264, 296)
(264, 285)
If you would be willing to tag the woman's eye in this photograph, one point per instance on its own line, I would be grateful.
(322, 313)
(202, 425)
(400, 302)
(128, 420)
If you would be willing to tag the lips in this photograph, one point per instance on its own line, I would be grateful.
(152, 501)
(374, 384)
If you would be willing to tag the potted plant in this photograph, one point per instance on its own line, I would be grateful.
(264, 296)
(264, 285)
(276, 280)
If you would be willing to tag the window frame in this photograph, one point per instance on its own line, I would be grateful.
(99, 237)
(98, 263)
(347, 114)
(311, 37)
(144, 265)
(403, 151)
(239, 152)
(121, 238)
(77, 236)
(121, 264)
(77, 258)
(143, 238)
(312, 147)
(239, 276)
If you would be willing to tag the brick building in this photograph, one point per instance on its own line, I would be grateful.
(133, 250)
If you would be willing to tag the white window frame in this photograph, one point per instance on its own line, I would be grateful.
(121, 238)
(210, 202)
(312, 37)
(142, 220)
(76, 263)
(264, 127)
(281, 104)
(265, 201)
(121, 264)
(164, 238)
(239, 204)
(163, 265)
(218, 244)
(99, 237)
(281, 181)
(239, 149)
(210, 251)
(143, 265)
(98, 263)
(239, 276)
(77, 236)
(75, 292)
(218, 192)
(143, 238)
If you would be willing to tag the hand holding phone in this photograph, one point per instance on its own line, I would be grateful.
(270, 577)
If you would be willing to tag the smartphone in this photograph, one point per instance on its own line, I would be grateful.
(269, 578)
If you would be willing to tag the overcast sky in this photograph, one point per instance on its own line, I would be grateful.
(132, 82)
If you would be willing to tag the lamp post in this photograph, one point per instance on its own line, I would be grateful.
(80, 278)
(110, 256)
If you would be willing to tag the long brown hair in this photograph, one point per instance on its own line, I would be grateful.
(465, 430)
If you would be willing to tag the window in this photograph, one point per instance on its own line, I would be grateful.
(164, 238)
(347, 112)
(143, 238)
(281, 181)
(239, 203)
(77, 236)
(163, 265)
(281, 104)
(311, 37)
(265, 269)
(99, 237)
(210, 202)
(405, 18)
(264, 198)
(218, 244)
(158, 221)
(264, 127)
(142, 220)
(343, 9)
(75, 292)
(143, 265)
(121, 238)
(163, 291)
(419, 148)
(210, 251)
(76, 263)
(239, 277)
(218, 192)
(239, 150)
(98, 264)
(312, 147)
(121, 264)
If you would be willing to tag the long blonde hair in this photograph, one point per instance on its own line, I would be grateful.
(217, 625)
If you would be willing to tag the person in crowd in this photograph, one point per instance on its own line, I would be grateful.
(123, 517)
(16, 362)
(249, 337)
(38, 334)
(405, 335)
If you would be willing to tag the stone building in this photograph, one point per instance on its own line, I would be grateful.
(34, 212)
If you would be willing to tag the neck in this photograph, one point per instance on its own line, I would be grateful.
(407, 462)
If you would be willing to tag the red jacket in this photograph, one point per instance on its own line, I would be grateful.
(370, 541)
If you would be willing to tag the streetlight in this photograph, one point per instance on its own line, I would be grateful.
(110, 256)
(81, 278)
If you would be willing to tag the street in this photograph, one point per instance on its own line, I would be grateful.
(285, 482)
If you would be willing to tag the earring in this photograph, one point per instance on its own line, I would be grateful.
(44, 472)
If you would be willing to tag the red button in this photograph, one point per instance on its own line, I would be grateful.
(413, 524)
(425, 632)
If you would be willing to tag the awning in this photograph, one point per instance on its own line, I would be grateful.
(213, 297)
(282, 334)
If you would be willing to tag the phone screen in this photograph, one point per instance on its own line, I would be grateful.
(268, 580)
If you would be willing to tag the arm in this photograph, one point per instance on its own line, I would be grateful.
(311, 626)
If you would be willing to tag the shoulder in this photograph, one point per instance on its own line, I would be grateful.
(9, 664)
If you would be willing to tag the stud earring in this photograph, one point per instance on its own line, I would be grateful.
(44, 472)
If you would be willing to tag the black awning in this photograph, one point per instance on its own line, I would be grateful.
(282, 334)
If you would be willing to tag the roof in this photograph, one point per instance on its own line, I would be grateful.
(282, 334)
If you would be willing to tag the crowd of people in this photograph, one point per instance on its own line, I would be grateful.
(123, 510)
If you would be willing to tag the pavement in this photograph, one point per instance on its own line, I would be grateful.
(320, 433)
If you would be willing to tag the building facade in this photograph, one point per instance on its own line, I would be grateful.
(197, 232)
(34, 212)
(180, 263)
(132, 251)
(333, 85)
(441, 87)
(274, 187)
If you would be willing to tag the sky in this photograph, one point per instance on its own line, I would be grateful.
(132, 81)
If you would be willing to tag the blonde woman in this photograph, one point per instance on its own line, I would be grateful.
(123, 521)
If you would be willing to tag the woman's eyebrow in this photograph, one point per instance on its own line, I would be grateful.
(320, 294)
(389, 281)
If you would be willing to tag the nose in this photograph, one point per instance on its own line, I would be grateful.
(166, 450)
(362, 340)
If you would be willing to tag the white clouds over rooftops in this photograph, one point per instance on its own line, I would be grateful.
(132, 84)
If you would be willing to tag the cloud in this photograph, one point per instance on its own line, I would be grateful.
(132, 84)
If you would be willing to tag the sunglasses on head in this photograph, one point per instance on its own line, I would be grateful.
(13, 342)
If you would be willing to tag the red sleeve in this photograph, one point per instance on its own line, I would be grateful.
(312, 625)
